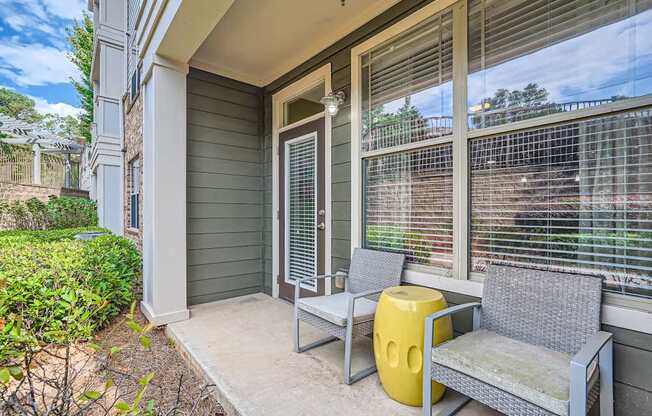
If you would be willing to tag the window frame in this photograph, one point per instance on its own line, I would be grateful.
(461, 279)
(134, 191)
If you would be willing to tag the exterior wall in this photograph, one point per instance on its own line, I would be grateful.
(133, 148)
(224, 188)
(17, 192)
(632, 350)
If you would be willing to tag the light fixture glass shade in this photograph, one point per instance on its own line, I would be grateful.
(332, 102)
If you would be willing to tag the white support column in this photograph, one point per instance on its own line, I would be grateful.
(164, 207)
(36, 165)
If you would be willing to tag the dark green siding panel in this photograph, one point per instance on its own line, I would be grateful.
(219, 240)
(225, 184)
(208, 165)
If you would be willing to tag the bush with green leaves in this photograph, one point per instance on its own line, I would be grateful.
(67, 212)
(47, 235)
(58, 290)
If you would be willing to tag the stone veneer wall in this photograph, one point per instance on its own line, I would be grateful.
(133, 149)
(21, 192)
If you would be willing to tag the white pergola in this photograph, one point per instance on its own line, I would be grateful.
(19, 132)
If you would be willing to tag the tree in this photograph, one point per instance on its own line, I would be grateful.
(80, 38)
(18, 106)
(63, 126)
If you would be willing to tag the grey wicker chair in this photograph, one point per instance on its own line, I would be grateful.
(533, 348)
(350, 313)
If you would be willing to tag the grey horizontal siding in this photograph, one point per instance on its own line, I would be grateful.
(225, 185)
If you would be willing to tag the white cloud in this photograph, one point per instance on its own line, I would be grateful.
(62, 109)
(35, 64)
(65, 9)
(16, 22)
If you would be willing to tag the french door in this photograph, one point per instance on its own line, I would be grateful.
(302, 208)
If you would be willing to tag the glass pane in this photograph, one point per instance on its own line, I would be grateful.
(575, 197)
(304, 106)
(408, 201)
(532, 58)
(407, 89)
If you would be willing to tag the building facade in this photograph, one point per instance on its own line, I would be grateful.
(463, 137)
(106, 160)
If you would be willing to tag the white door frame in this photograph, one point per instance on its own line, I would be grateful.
(293, 90)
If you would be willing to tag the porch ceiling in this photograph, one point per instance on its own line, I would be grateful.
(258, 41)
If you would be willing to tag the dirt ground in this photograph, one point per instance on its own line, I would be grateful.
(174, 383)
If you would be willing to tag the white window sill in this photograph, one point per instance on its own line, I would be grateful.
(617, 316)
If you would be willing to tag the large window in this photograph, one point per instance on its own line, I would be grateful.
(407, 100)
(533, 58)
(530, 144)
(573, 197)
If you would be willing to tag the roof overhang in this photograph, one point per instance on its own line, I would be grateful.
(257, 42)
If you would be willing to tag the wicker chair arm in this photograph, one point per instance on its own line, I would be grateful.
(591, 349)
(600, 345)
(356, 296)
(297, 283)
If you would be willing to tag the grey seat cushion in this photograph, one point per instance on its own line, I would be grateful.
(533, 373)
(333, 308)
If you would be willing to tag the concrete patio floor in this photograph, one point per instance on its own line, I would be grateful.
(244, 346)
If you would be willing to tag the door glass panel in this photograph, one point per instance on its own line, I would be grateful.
(301, 200)
(304, 106)
(533, 58)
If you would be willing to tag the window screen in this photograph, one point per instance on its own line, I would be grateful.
(574, 197)
(409, 204)
(529, 58)
(407, 91)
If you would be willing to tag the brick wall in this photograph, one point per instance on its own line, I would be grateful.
(18, 192)
(133, 150)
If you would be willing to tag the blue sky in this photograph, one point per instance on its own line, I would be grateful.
(33, 51)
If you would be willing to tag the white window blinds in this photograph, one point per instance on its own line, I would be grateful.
(574, 197)
(532, 58)
(409, 204)
(407, 88)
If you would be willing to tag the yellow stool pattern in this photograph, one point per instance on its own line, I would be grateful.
(398, 340)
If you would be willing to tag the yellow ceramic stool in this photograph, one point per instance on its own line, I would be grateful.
(398, 340)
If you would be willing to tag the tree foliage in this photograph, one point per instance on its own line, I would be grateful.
(80, 38)
(18, 106)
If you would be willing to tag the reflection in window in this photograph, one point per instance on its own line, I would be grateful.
(575, 197)
(305, 105)
(407, 91)
(534, 58)
(408, 199)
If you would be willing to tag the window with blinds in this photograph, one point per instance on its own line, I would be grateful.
(529, 58)
(407, 91)
(574, 197)
(408, 204)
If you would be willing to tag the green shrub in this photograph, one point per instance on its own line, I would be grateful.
(47, 235)
(67, 212)
(54, 289)
(59, 212)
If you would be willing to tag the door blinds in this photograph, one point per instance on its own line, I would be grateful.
(301, 199)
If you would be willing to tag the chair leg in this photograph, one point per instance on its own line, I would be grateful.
(605, 361)
(295, 331)
(348, 347)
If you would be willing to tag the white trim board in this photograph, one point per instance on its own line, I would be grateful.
(293, 90)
